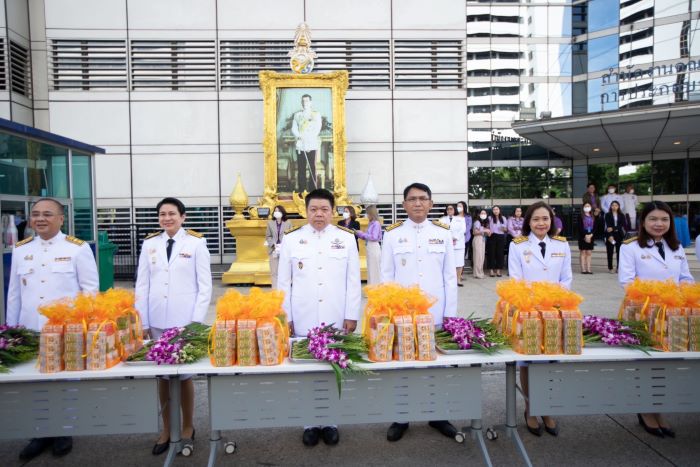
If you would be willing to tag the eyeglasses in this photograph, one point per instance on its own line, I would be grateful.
(45, 214)
(417, 199)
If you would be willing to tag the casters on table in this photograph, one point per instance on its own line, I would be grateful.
(491, 434)
(187, 449)
(230, 447)
(460, 437)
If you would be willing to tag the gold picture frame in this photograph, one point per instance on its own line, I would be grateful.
(288, 176)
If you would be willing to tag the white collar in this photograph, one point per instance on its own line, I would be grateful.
(178, 235)
(533, 239)
(55, 239)
(417, 225)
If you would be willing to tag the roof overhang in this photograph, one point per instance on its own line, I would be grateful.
(667, 129)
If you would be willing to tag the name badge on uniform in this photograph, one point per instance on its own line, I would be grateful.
(29, 257)
(185, 255)
(679, 257)
(436, 241)
(645, 257)
(337, 244)
(302, 242)
(558, 255)
(526, 255)
(62, 259)
(403, 240)
(300, 265)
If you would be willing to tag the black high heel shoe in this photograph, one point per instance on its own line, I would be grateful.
(654, 431)
(160, 448)
(535, 431)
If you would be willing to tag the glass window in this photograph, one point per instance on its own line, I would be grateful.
(32, 168)
(602, 96)
(601, 175)
(14, 223)
(694, 175)
(603, 14)
(534, 182)
(560, 182)
(670, 177)
(480, 182)
(694, 218)
(506, 182)
(559, 21)
(603, 53)
(637, 174)
(82, 196)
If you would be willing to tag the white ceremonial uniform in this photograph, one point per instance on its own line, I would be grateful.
(647, 263)
(422, 255)
(630, 208)
(457, 229)
(47, 270)
(319, 273)
(176, 292)
(697, 248)
(525, 260)
(607, 199)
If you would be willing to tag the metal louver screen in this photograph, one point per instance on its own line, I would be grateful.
(20, 75)
(87, 64)
(3, 69)
(367, 62)
(173, 65)
(429, 64)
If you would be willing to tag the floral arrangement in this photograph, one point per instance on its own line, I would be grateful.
(613, 332)
(469, 333)
(17, 345)
(328, 344)
(176, 346)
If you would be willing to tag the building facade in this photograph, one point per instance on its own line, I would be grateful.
(170, 89)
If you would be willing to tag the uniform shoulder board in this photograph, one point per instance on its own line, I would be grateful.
(350, 231)
(630, 240)
(194, 233)
(520, 239)
(292, 229)
(440, 224)
(24, 242)
(559, 238)
(151, 235)
(74, 240)
(393, 226)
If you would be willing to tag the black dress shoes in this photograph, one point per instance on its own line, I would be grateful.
(396, 431)
(535, 431)
(311, 435)
(444, 427)
(62, 445)
(654, 431)
(160, 448)
(330, 435)
(552, 431)
(668, 432)
(35, 447)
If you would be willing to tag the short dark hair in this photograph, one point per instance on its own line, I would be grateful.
(281, 209)
(615, 202)
(670, 236)
(454, 208)
(353, 213)
(528, 216)
(417, 186)
(306, 95)
(320, 193)
(61, 208)
(589, 184)
(174, 201)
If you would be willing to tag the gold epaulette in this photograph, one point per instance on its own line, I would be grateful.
(151, 235)
(630, 240)
(74, 240)
(440, 224)
(520, 239)
(24, 242)
(292, 229)
(393, 226)
(350, 231)
(194, 233)
(559, 238)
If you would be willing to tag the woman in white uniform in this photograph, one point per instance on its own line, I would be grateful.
(655, 254)
(457, 228)
(173, 288)
(539, 255)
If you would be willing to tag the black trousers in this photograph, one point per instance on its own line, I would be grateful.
(303, 174)
(609, 247)
(495, 249)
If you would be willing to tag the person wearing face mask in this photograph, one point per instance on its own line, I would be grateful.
(539, 255)
(457, 227)
(615, 228)
(349, 221)
(273, 239)
(611, 196)
(585, 238)
(481, 232)
(655, 254)
(496, 243)
(629, 207)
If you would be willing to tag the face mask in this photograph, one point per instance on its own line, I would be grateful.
(587, 209)
(277, 215)
(346, 215)
(631, 191)
(460, 209)
(611, 190)
(482, 217)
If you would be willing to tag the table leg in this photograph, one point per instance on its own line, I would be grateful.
(174, 408)
(214, 442)
(477, 434)
(511, 424)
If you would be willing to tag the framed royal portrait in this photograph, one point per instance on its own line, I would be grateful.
(304, 136)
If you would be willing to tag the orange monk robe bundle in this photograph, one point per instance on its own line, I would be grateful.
(690, 292)
(127, 319)
(514, 296)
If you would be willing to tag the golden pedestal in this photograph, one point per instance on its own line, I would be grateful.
(252, 264)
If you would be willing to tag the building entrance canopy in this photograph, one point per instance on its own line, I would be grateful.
(656, 130)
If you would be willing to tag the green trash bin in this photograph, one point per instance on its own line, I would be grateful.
(105, 268)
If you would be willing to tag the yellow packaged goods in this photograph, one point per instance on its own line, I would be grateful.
(676, 333)
(51, 348)
(572, 330)
(404, 341)
(694, 329)
(552, 334)
(631, 310)
(74, 347)
(101, 343)
(246, 342)
(381, 337)
(528, 332)
(223, 343)
(425, 337)
(268, 350)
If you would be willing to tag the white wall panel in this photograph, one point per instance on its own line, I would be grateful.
(113, 176)
(174, 122)
(443, 172)
(360, 164)
(18, 17)
(85, 14)
(159, 175)
(96, 123)
(22, 114)
(252, 172)
(241, 122)
(343, 14)
(172, 14)
(260, 15)
(430, 120)
(368, 120)
(419, 14)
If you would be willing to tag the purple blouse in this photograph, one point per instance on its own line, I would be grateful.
(588, 222)
(374, 232)
(468, 231)
(515, 226)
(497, 227)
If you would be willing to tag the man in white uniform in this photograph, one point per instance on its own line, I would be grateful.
(420, 252)
(607, 199)
(319, 273)
(46, 268)
(306, 126)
